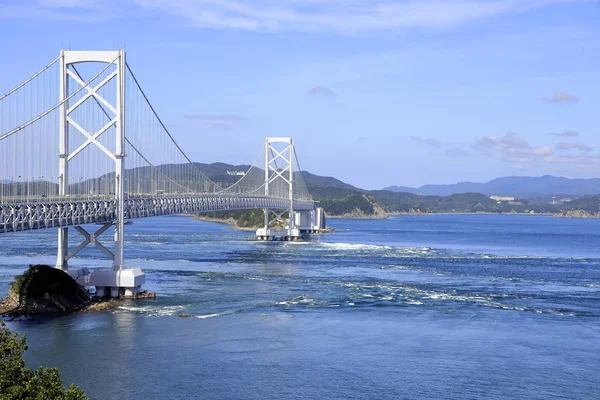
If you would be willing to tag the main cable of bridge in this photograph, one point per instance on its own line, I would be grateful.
(156, 165)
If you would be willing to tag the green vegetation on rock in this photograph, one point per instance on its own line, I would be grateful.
(244, 219)
(347, 205)
(17, 382)
(43, 289)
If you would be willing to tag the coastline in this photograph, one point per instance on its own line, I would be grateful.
(228, 221)
(567, 214)
(578, 215)
(466, 213)
(233, 223)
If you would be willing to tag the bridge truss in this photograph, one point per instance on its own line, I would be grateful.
(80, 143)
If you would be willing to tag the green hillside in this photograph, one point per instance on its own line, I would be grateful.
(344, 200)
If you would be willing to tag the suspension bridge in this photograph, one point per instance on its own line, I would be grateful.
(81, 145)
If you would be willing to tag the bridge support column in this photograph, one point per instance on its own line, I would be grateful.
(63, 163)
(279, 181)
(118, 259)
(116, 280)
(63, 249)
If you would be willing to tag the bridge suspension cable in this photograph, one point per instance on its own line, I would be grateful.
(77, 151)
(54, 107)
(41, 71)
(156, 165)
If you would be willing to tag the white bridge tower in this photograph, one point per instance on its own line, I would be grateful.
(286, 224)
(108, 93)
(279, 181)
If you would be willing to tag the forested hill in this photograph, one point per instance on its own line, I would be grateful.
(525, 187)
(341, 199)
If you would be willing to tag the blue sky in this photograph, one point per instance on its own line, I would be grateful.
(376, 92)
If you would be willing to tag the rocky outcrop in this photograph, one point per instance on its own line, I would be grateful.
(142, 295)
(357, 213)
(104, 305)
(43, 289)
(371, 210)
(577, 214)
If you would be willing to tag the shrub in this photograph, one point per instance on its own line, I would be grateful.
(19, 382)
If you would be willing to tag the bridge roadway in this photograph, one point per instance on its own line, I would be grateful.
(44, 213)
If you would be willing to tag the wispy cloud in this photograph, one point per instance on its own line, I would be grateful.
(427, 141)
(321, 91)
(223, 118)
(82, 11)
(565, 134)
(217, 121)
(345, 16)
(561, 97)
(574, 157)
(575, 163)
(85, 4)
(512, 148)
(340, 15)
(573, 146)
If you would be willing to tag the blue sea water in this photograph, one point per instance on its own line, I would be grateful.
(413, 307)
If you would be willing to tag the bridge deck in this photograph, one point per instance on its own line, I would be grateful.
(42, 213)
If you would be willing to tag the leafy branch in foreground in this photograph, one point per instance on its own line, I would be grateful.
(19, 382)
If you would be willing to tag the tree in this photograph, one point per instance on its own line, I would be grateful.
(19, 382)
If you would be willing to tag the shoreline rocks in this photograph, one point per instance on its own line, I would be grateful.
(44, 290)
(577, 214)
(103, 305)
(229, 221)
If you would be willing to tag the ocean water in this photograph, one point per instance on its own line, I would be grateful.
(413, 307)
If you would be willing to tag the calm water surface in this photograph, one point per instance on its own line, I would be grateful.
(438, 307)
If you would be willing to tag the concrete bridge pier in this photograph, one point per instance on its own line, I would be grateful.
(310, 222)
(110, 283)
(278, 235)
(303, 223)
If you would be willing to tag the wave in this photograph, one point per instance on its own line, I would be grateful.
(150, 310)
(207, 316)
(354, 246)
(296, 301)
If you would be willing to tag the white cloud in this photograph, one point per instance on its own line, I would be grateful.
(512, 148)
(217, 121)
(83, 11)
(573, 146)
(542, 151)
(574, 157)
(345, 16)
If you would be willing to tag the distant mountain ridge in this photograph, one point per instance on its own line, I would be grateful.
(524, 187)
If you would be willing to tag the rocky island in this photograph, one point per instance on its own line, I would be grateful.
(46, 290)
(43, 289)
